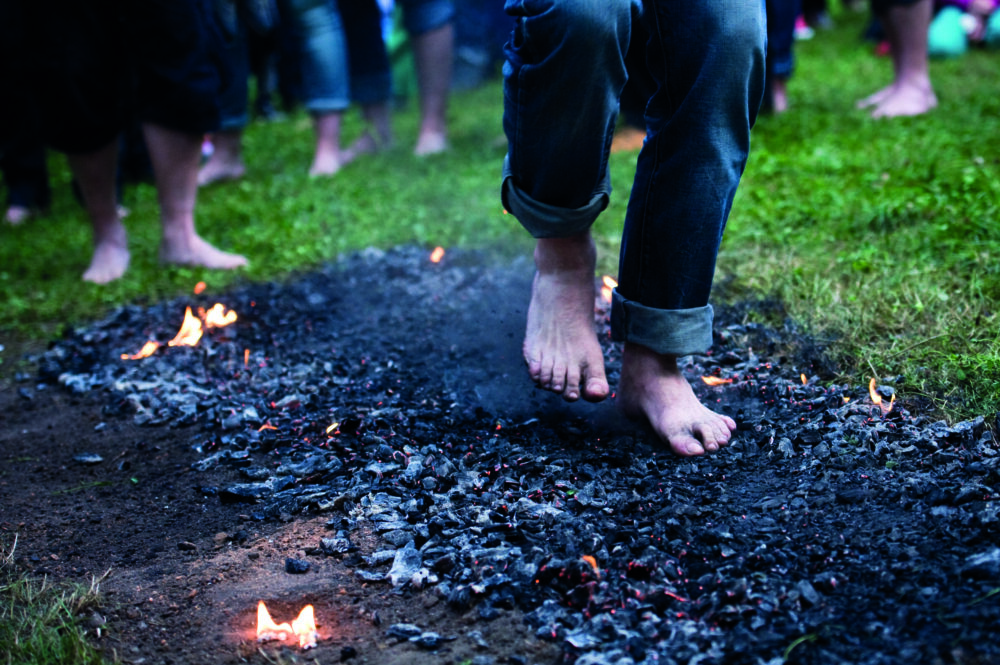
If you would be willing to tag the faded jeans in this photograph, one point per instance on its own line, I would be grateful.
(564, 72)
(325, 77)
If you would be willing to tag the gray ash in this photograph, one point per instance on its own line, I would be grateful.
(389, 392)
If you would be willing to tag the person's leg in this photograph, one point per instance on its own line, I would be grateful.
(907, 25)
(370, 74)
(95, 175)
(430, 24)
(708, 59)
(325, 83)
(175, 156)
(564, 73)
(226, 160)
(781, 16)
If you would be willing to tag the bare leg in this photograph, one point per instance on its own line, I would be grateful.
(653, 387)
(911, 92)
(175, 156)
(328, 158)
(779, 94)
(433, 53)
(17, 215)
(378, 133)
(95, 174)
(560, 344)
(226, 162)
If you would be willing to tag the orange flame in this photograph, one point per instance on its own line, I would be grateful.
(593, 564)
(609, 285)
(218, 317)
(190, 331)
(246, 357)
(804, 379)
(148, 349)
(199, 287)
(267, 630)
(715, 380)
(303, 627)
(877, 399)
(437, 255)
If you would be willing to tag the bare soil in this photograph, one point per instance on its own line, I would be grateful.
(181, 572)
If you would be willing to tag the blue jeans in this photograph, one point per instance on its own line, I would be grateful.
(325, 78)
(371, 71)
(564, 73)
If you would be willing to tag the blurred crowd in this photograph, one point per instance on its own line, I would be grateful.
(162, 89)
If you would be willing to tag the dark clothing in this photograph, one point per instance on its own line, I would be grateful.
(96, 64)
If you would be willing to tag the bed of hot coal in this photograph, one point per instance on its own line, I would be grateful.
(389, 390)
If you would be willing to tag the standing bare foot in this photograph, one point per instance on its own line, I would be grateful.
(226, 161)
(192, 250)
(906, 99)
(430, 143)
(560, 344)
(111, 256)
(875, 98)
(653, 387)
(326, 164)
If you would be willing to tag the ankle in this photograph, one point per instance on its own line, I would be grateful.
(571, 254)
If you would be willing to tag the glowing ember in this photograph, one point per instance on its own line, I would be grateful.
(199, 287)
(246, 357)
(437, 255)
(609, 285)
(715, 380)
(190, 331)
(303, 627)
(804, 379)
(218, 317)
(593, 564)
(332, 427)
(148, 349)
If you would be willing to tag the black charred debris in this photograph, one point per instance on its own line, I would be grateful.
(388, 392)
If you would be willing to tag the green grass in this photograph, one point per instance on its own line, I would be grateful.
(877, 237)
(42, 623)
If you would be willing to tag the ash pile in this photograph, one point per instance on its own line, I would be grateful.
(389, 393)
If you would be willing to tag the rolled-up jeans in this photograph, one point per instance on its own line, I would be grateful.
(325, 78)
(563, 75)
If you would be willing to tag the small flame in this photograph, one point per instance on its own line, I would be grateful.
(246, 357)
(190, 331)
(877, 399)
(218, 317)
(609, 285)
(199, 287)
(303, 627)
(593, 564)
(148, 349)
(267, 630)
(332, 427)
(804, 379)
(437, 255)
(715, 380)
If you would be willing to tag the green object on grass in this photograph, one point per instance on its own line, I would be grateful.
(947, 37)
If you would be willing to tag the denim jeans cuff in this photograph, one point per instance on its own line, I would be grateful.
(675, 332)
(546, 221)
(327, 105)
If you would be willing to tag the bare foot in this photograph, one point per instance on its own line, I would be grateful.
(628, 139)
(325, 165)
(875, 98)
(430, 143)
(367, 144)
(111, 256)
(217, 169)
(560, 344)
(652, 387)
(17, 215)
(906, 99)
(194, 251)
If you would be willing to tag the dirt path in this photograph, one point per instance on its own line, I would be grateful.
(182, 571)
